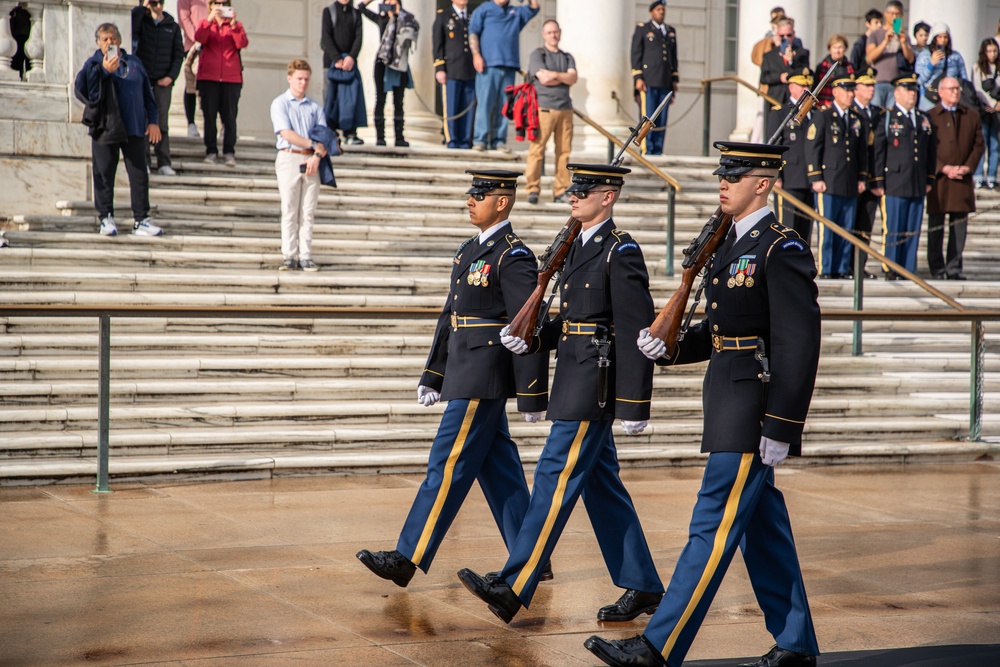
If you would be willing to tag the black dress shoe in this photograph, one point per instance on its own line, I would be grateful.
(631, 652)
(827, 276)
(956, 276)
(779, 657)
(893, 276)
(546, 574)
(870, 276)
(390, 565)
(493, 591)
(632, 603)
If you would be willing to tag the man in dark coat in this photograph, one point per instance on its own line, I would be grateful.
(453, 69)
(762, 340)
(341, 43)
(159, 43)
(793, 176)
(959, 135)
(778, 64)
(655, 70)
(599, 375)
(493, 275)
(864, 217)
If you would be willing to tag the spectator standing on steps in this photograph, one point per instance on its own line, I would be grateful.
(191, 13)
(890, 53)
(453, 69)
(160, 47)
(494, 31)
(395, 27)
(220, 77)
(654, 70)
(343, 98)
(859, 52)
(112, 71)
(552, 71)
(986, 79)
(788, 59)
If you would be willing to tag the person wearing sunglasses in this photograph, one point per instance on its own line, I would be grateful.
(603, 302)
(220, 77)
(761, 337)
(159, 44)
(492, 275)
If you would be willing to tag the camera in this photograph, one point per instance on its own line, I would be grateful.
(226, 12)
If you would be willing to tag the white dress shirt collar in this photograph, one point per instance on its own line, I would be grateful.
(587, 234)
(746, 224)
(485, 235)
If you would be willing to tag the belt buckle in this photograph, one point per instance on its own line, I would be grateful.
(565, 327)
(717, 342)
(454, 321)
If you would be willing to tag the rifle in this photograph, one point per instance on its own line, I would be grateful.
(671, 324)
(528, 321)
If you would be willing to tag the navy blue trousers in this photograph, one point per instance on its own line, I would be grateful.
(901, 220)
(472, 443)
(650, 100)
(738, 505)
(837, 252)
(579, 458)
(460, 96)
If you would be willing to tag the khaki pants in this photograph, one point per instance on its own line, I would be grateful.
(299, 195)
(557, 124)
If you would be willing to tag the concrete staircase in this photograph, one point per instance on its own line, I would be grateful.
(256, 397)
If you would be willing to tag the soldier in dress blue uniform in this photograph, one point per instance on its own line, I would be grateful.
(793, 176)
(837, 167)
(454, 71)
(604, 301)
(905, 161)
(762, 340)
(654, 69)
(493, 275)
(864, 219)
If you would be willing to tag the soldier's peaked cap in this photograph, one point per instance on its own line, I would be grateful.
(589, 176)
(867, 76)
(656, 3)
(488, 180)
(802, 78)
(739, 158)
(909, 81)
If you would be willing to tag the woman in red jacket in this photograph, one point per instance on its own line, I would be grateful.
(220, 76)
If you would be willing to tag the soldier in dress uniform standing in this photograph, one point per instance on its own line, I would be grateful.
(793, 176)
(604, 301)
(492, 276)
(453, 69)
(762, 339)
(864, 218)
(837, 167)
(654, 69)
(905, 161)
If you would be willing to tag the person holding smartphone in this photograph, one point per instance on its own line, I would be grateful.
(889, 51)
(220, 76)
(937, 61)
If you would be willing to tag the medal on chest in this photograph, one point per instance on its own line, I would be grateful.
(741, 272)
(479, 274)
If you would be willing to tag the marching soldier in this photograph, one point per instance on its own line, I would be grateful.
(837, 168)
(864, 219)
(454, 71)
(793, 176)
(654, 69)
(493, 274)
(905, 161)
(762, 339)
(604, 298)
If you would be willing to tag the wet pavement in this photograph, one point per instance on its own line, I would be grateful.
(264, 573)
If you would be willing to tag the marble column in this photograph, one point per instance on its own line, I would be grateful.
(754, 23)
(968, 20)
(601, 49)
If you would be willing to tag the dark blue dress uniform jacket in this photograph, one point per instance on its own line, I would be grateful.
(868, 127)
(471, 362)
(793, 173)
(654, 55)
(781, 308)
(605, 283)
(450, 36)
(905, 157)
(837, 151)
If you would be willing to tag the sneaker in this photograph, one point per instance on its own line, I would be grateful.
(532, 197)
(193, 131)
(211, 158)
(354, 140)
(166, 170)
(979, 184)
(230, 159)
(145, 228)
(478, 147)
(308, 265)
(108, 227)
(288, 265)
(991, 185)
(502, 148)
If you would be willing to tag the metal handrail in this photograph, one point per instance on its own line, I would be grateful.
(706, 91)
(673, 187)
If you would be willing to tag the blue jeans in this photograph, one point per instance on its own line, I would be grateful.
(991, 134)
(461, 95)
(885, 96)
(491, 125)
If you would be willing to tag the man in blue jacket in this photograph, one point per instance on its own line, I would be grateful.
(139, 116)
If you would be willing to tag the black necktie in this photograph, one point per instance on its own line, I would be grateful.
(727, 245)
(577, 244)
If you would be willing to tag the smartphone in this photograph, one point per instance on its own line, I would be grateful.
(112, 51)
(226, 12)
(897, 24)
(385, 8)
(784, 45)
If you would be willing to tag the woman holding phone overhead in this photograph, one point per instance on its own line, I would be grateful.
(220, 76)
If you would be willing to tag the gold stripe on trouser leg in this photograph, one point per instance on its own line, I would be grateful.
(557, 497)
(885, 233)
(449, 470)
(642, 108)
(444, 113)
(718, 548)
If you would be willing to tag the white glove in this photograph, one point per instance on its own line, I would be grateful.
(634, 428)
(653, 348)
(512, 343)
(532, 417)
(772, 452)
(427, 396)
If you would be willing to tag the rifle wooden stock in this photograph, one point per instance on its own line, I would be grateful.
(552, 260)
(804, 110)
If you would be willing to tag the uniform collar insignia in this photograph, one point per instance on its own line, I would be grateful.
(754, 233)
